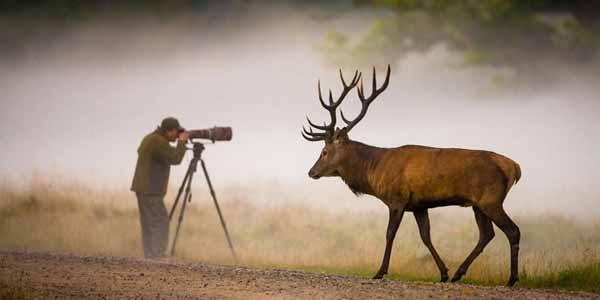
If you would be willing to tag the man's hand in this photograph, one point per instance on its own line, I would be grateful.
(184, 136)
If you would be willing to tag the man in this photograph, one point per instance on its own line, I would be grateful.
(155, 157)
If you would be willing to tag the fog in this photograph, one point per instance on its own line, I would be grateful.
(79, 102)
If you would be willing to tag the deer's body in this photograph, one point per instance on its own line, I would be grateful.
(416, 178)
(420, 177)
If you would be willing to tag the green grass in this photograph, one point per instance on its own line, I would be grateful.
(556, 252)
(584, 278)
(578, 278)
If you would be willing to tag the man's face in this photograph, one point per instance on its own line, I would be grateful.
(172, 134)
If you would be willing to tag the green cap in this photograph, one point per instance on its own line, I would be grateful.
(170, 123)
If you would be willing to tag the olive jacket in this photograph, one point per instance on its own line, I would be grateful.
(155, 157)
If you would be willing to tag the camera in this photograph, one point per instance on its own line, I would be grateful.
(213, 134)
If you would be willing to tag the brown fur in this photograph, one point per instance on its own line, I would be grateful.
(417, 176)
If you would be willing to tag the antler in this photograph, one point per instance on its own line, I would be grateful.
(366, 101)
(329, 129)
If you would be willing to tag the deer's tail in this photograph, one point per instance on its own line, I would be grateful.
(517, 172)
(511, 170)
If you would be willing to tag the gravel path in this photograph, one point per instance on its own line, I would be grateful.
(69, 276)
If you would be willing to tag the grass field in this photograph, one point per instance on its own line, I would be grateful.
(52, 215)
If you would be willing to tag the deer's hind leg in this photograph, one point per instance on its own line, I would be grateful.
(422, 218)
(486, 234)
(497, 214)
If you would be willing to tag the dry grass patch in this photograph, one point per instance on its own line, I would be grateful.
(556, 252)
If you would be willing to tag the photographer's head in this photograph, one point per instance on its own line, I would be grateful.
(172, 130)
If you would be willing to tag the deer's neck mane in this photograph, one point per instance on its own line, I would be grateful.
(355, 170)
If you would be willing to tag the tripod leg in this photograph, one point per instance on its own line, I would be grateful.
(187, 174)
(187, 198)
(214, 197)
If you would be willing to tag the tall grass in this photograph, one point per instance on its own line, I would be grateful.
(53, 215)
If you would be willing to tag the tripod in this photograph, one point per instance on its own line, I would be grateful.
(186, 184)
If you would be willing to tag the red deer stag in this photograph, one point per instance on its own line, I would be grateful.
(416, 178)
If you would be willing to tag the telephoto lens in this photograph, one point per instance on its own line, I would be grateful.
(214, 134)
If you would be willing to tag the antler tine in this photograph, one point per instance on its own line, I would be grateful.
(376, 91)
(357, 76)
(314, 134)
(324, 127)
(374, 81)
(348, 88)
(344, 118)
(353, 82)
(387, 79)
(312, 139)
(331, 103)
(320, 95)
(360, 90)
(367, 101)
(331, 108)
(342, 77)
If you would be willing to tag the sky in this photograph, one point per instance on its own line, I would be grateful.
(80, 102)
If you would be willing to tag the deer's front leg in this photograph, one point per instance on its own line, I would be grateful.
(393, 224)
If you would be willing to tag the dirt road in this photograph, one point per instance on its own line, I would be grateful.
(69, 276)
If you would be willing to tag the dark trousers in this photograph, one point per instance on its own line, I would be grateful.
(155, 224)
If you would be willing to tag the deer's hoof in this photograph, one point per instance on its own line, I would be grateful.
(457, 276)
(512, 281)
(379, 275)
(444, 278)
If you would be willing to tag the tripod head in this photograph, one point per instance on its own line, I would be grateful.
(197, 149)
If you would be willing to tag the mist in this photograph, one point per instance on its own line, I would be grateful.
(78, 103)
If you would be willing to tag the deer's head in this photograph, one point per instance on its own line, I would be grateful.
(337, 143)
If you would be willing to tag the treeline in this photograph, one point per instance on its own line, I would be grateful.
(520, 33)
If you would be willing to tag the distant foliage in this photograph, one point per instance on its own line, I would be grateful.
(518, 33)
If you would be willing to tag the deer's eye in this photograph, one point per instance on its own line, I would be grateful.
(324, 153)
